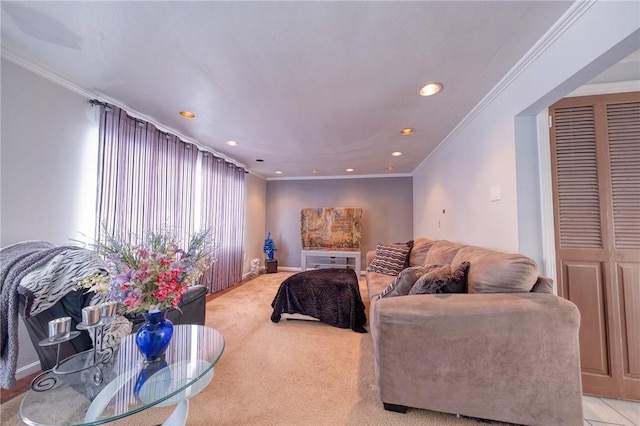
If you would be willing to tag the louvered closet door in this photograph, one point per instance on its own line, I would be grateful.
(596, 182)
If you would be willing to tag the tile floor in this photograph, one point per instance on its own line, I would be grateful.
(610, 412)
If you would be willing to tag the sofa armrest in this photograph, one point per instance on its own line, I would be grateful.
(482, 355)
(192, 305)
(193, 293)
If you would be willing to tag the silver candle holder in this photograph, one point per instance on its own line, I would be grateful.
(91, 315)
(59, 329)
(96, 319)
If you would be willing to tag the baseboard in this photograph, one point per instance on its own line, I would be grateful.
(27, 370)
(289, 268)
(248, 275)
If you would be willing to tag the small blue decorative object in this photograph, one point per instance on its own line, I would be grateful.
(153, 337)
(148, 370)
(269, 247)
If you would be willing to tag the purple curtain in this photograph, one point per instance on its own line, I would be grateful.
(223, 206)
(148, 180)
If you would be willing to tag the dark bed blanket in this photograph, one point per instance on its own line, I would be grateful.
(330, 295)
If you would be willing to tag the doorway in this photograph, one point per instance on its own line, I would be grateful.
(595, 164)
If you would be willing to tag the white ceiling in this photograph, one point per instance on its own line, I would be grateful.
(300, 85)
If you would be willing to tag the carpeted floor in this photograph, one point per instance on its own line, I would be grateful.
(290, 373)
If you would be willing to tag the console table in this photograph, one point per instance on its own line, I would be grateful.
(320, 259)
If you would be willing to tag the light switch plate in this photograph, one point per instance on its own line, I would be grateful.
(494, 193)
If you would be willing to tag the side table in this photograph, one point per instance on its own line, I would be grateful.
(320, 259)
(271, 265)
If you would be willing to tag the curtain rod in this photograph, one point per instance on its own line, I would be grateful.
(108, 108)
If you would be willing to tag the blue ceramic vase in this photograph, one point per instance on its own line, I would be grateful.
(153, 337)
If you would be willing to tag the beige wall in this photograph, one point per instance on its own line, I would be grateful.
(47, 170)
(255, 220)
(386, 210)
(48, 163)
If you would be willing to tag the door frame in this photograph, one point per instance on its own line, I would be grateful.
(544, 171)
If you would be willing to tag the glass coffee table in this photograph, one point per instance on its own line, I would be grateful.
(82, 391)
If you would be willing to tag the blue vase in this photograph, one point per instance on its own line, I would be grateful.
(153, 337)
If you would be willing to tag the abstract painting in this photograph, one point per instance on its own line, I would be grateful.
(335, 228)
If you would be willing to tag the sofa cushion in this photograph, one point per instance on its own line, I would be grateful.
(442, 252)
(496, 272)
(390, 259)
(376, 283)
(401, 285)
(442, 279)
(418, 254)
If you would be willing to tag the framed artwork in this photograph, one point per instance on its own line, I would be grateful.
(337, 228)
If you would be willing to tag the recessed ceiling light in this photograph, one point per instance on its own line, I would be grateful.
(187, 115)
(232, 143)
(278, 172)
(349, 170)
(389, 168)
(396, 154)
(259, 160)
(407, 131)
(315, 171)
(431, 89)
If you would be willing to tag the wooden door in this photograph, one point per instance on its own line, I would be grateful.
(595, 149)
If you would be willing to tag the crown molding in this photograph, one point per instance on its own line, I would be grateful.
(575, 11)
(61, 81)
(45, 73)
(340, 177)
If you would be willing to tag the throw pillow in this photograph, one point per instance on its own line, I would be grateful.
(401, 285)
(389, 259)
(443, 279)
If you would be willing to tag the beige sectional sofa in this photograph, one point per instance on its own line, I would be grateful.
(506, 350)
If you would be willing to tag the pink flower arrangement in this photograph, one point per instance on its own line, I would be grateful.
(154, 275)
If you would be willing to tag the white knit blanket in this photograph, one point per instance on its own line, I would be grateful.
(46, 285)
(47, 271)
